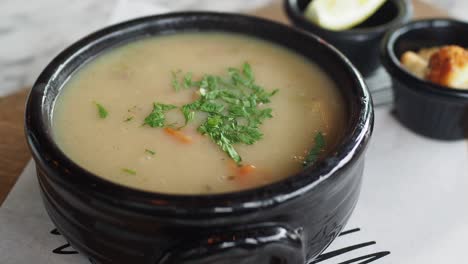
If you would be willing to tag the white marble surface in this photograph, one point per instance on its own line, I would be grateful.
(32, 32)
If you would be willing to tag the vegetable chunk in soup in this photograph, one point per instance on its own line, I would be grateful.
(198, 113)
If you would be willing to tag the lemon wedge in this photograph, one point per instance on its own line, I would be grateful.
(341, 14)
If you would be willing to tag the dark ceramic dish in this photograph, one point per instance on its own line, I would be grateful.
(429, 109)
(359, 44)
(290, 221)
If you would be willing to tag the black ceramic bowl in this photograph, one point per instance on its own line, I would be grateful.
(359, 44)
(290, 221)
(429, 109)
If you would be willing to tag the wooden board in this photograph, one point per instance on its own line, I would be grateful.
(13, 150)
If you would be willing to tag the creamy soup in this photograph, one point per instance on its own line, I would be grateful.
(198, 113)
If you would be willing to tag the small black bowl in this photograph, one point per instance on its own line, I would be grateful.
(427, 108)
(359, 44)
(290, 221)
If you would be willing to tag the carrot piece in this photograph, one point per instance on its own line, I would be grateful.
(246, 170)
(178, 135)
(243, 170)
(244, 176)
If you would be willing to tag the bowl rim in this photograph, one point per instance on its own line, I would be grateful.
(40, 139)
(393, 65)
(405, 10)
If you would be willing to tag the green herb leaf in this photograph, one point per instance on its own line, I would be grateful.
(248, 134)
(189, 110)
(129, 171)
(211, 107)
(217, 128)
(175, 80)
(247, 70)
(101, 111)
(315, 152)
(188, 80)
(185, 82)
(157, 117)
(149, 151)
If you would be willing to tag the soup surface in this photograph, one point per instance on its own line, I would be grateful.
(120, 115)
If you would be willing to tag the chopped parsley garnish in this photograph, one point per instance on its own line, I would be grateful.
(157, 117)
(101, 111)
(129, 171)
(149, 151)
(234, 106)
(315, 152)
(128, 119)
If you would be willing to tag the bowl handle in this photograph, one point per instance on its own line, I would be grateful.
(260, 244)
